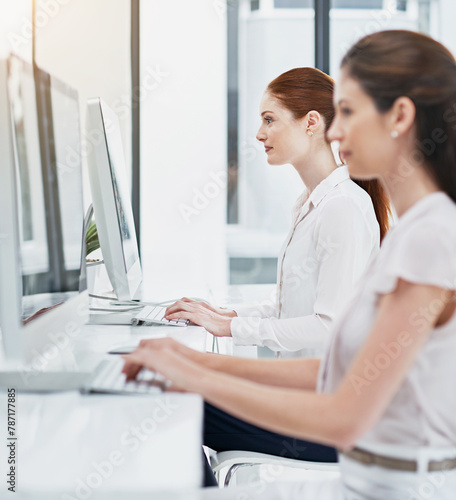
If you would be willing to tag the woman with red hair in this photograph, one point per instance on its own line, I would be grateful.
(336, 227)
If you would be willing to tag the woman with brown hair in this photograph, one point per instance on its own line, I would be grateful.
(335, 231)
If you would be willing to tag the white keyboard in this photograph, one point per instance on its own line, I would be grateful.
(149, 315)
(108, 378)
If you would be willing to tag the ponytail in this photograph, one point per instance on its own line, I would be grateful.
(380, 201)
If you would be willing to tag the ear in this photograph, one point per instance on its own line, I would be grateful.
(402, 115)
(312, 120)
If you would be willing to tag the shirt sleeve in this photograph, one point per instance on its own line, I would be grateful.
(424, 255)
(346, 241)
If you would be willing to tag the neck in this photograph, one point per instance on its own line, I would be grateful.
(315, 167)
(405, 191)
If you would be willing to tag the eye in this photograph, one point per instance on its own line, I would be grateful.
(345, 111)
(268, 120)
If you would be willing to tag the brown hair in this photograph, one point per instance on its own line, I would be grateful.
(301, 90)
(391, 64)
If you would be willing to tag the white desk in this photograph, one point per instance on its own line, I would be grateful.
(312, 490)
(67, 442)
(74, 444)
(96, 340)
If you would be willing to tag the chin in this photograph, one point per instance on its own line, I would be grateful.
(358, 172)
(275, 161)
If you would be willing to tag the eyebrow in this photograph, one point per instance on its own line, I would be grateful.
(341, 101)
(264, 112)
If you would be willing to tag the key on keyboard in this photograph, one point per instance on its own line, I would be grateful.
(110, 379)
(155, 314)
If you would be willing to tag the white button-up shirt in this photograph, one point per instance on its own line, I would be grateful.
(333, 237)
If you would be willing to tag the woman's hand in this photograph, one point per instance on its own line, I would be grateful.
(167, 357)
(203, 314)
(229, 313)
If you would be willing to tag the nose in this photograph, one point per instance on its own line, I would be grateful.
(334, 132)
(261, 135)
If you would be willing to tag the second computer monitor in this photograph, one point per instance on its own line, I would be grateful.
(111, 199)
(41, 226)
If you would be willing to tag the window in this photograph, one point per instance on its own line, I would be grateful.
(357, 4)
(293, 4)
(373, 15)
(260, 196)
(260, 270)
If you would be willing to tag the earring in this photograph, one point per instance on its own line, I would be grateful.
(310, 133)
(394, 134)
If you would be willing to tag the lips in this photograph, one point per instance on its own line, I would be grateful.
(344, 154)
(267, 149)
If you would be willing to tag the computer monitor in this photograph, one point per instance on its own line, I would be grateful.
(111, 200)
(41, 227)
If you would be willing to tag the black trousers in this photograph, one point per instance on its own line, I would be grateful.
(223, 432)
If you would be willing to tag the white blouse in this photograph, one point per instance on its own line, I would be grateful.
(420, 249)
(333, 237)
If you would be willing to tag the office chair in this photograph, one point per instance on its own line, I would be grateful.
(235, 460)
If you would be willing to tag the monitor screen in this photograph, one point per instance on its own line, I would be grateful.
(49, 185)
(111, 200)
(32, 211)
(122, 200)
(68, 166)
(38, 251)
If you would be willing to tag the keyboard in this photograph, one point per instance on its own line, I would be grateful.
(137, 316)
(149, 315)
(108, 378)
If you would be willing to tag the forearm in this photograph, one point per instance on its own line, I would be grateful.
(291, 334)
(292, 373)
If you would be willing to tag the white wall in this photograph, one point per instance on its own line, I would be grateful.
(86, 43)
(183, 144)
(16, 28)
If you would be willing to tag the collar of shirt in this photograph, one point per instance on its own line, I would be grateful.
(302, 205)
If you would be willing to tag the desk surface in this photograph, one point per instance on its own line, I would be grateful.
(328, 489)
(96, 340)
(77, 444)
(93, 444)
